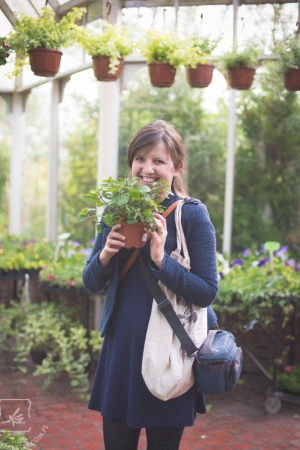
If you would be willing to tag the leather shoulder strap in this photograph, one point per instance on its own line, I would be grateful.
(135, 253)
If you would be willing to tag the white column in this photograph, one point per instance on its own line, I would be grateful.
(51, 210)
(108, 139)
(17, 127)
(229, 184)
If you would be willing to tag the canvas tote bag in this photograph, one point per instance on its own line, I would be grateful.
(166, 368)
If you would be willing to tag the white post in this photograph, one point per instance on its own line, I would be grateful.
(17, 126)
(108, 139)
(51, 211)
(229, 184)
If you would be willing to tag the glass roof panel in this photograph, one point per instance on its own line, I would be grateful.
(30, 7)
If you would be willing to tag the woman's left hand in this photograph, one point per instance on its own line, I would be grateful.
(158, 240)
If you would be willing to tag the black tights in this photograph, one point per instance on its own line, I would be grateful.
(118, 436)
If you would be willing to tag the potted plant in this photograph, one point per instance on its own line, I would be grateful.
(5, 51)
(64, 344)
(240, 64)
(129, 204)
(289, 62)
(199, 69)
(164, 53)
(108, 50)
(38, 40)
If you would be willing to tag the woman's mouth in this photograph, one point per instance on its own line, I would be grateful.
(148, 180)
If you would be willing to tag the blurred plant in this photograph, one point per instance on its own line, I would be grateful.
(289, 52)
(14, 440)
(289, 379)
(158, 46)
(245, 56)
(5, 51)
(198, 50)
(42, 32)
(112, 42)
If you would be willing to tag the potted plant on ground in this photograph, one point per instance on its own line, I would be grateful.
(38, 40)
(199, 69)
(164, 53)
(289, 62)
(128, 203)
(108, 50)
(241, 65)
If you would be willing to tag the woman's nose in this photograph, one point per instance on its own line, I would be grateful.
(148, 167)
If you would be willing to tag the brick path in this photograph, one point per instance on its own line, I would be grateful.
(236, 421)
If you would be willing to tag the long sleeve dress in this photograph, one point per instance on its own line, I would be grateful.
(119, 391)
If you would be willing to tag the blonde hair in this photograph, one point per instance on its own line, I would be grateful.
(154, 133)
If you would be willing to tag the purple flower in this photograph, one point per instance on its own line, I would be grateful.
(236, 262)
(92, 241)
(71, 253)
(221, 275)
(246, 252)
(290, 262)
(76, 244)
(262, 249)
(86, 251)
(282, 251)
(262, 262)
(297, 267)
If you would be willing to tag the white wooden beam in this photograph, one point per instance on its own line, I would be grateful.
(7, 12)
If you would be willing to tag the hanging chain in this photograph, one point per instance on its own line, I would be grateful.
(108, 10)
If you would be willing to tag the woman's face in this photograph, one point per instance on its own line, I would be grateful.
(150, 166)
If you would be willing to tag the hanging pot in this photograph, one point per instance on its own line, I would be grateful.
(135, 234)
(291, 79)
(101, 68)
(201, 76)
(241, 77)
(161, 74)
(44, 62)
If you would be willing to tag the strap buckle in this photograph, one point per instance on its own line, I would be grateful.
(164, 306)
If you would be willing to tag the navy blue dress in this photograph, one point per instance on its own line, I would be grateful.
(119, 391)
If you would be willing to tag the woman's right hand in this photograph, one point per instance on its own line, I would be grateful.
(114, 243)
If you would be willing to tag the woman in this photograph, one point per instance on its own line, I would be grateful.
(119, 392)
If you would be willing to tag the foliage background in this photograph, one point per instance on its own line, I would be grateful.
(267, 167)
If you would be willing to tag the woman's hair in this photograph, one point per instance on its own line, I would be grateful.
(154, 133)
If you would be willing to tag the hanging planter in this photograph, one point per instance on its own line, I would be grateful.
(135, 234)
(36, 40)
(161, 74)
(164, 54)
(44, 62)
(108, 50)
(241, 77)
(241, 64)
(289, 62)
(291, 79)
(102, 70)
(201, 76)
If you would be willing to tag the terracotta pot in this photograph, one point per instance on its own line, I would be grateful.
(135, 234)
(291, 79)
(201, 76)
(44, 62)
(161, 74)
(241, 77)
(101, 68)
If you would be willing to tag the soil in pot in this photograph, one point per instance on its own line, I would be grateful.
(101, 68)
(201, 76)
(241, 77)
(291, 79)
(161, 74)
(45, 62)
(136, 236)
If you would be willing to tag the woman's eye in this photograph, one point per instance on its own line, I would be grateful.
(139, 158)
(159, 161)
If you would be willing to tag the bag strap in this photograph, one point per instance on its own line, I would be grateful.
(166, 308)
(136, 253)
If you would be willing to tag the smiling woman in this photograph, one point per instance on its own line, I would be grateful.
(156, 154)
